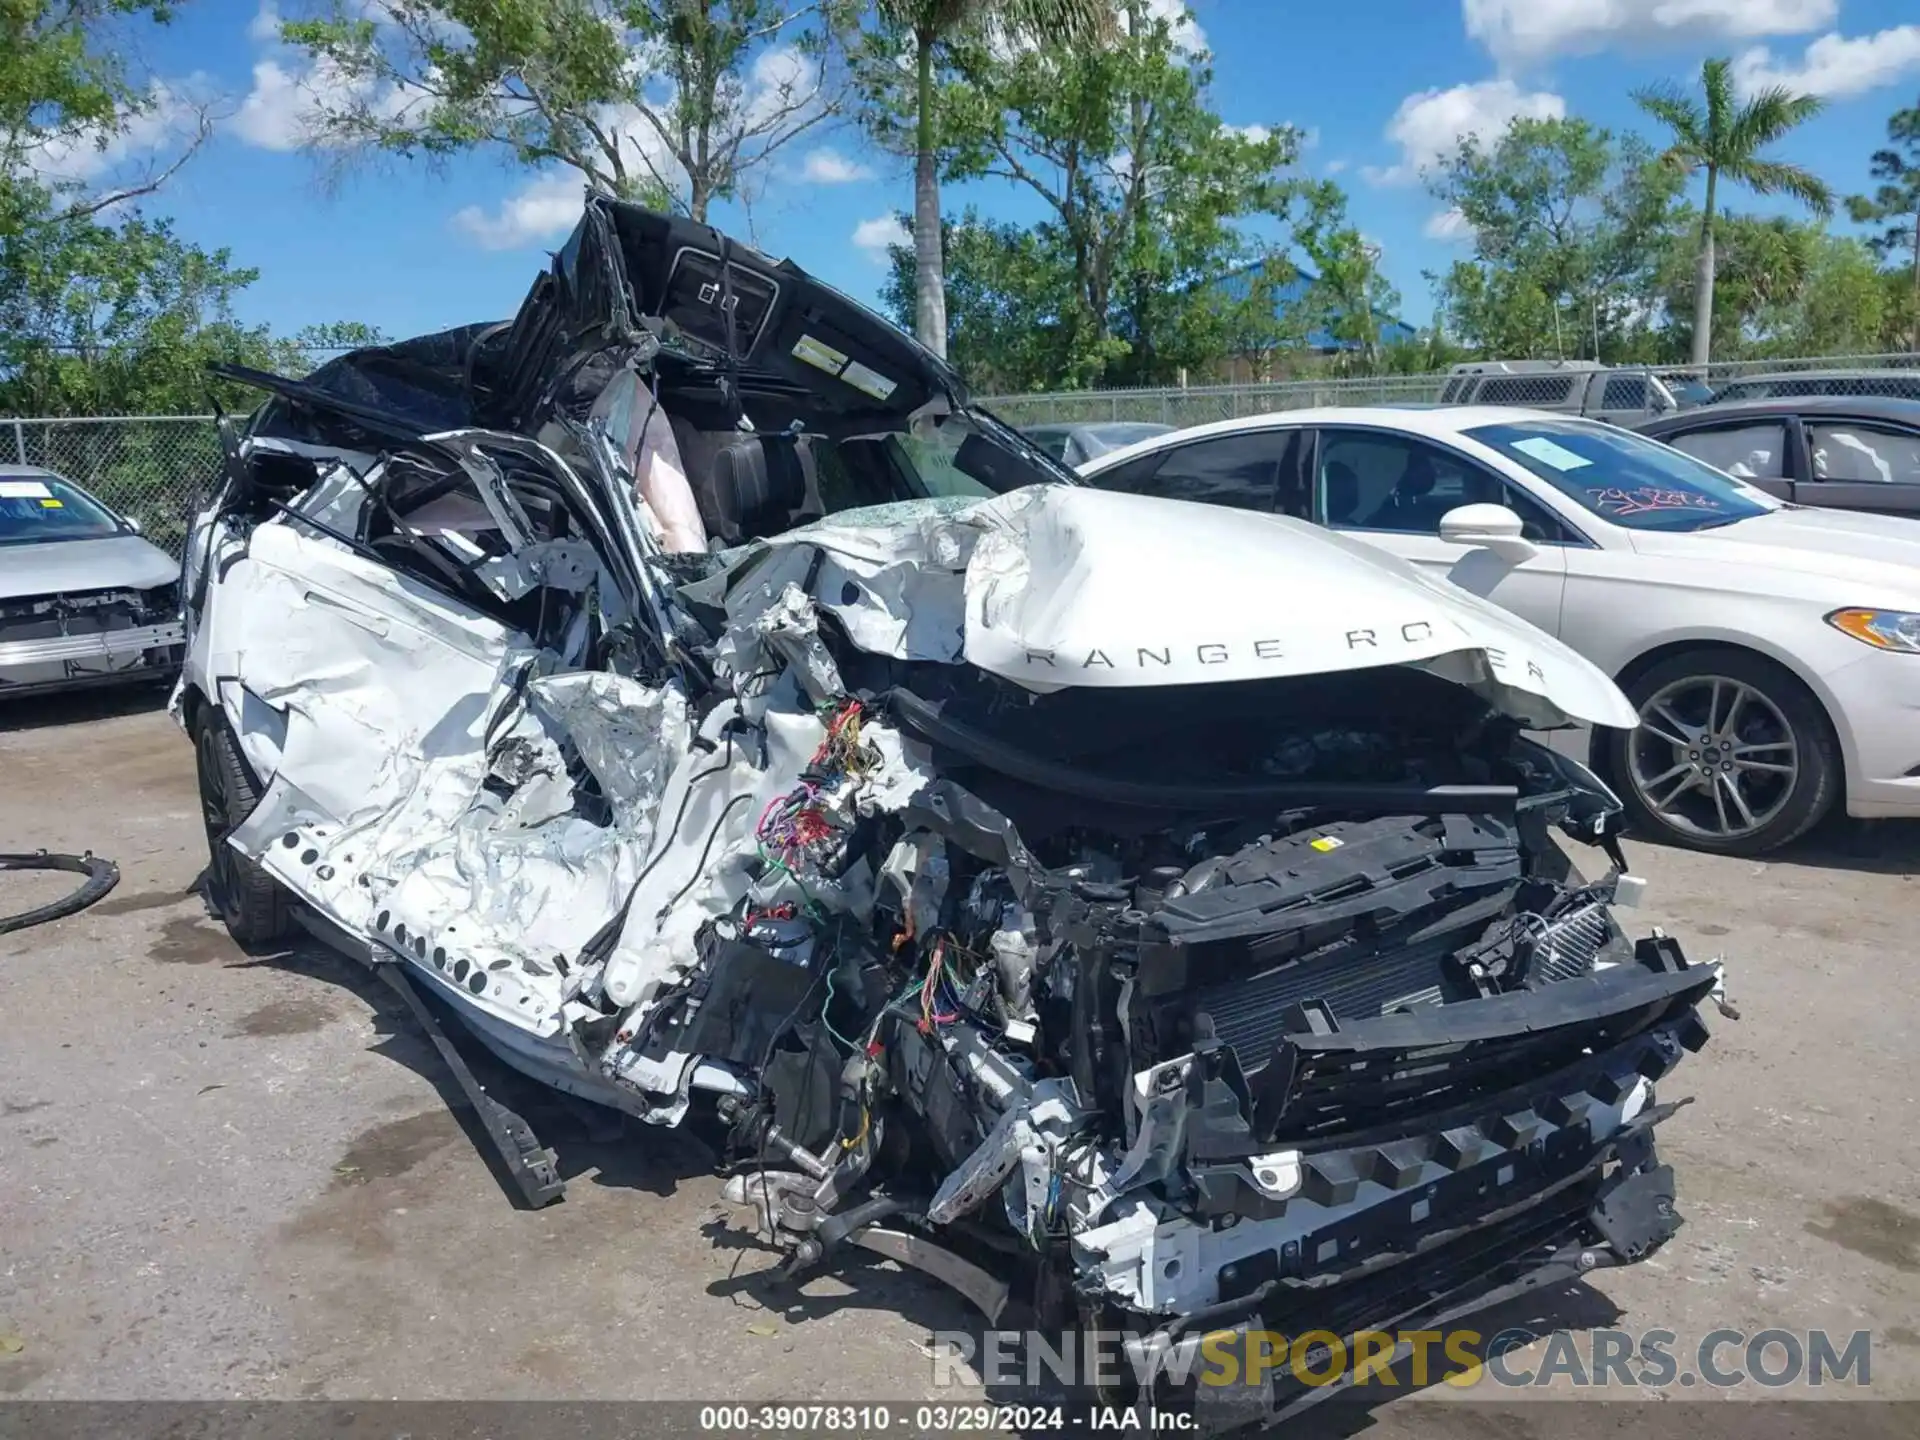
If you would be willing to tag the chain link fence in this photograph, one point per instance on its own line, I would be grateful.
(153, 468)
(1202, 404)
(156, 467)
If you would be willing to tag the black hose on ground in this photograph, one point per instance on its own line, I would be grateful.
(102, 876)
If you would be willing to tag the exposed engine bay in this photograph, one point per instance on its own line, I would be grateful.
(1121, 910)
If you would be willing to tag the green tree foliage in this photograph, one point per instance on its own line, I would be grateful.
(1007, 290)
(1720, 137)
(118, 319)
(663, 101)
(1349, 298)
(1894, 207)
(103, 311)
(1568, 223)
(1785, 287)
(1143, 192)
(66, 94)
(918, 31)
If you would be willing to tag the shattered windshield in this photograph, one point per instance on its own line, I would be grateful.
(1625, 478)
(36, 509)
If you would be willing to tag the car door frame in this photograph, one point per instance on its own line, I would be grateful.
(1576, 537)
(1794, 459)
(1573, 538)
(1805, 478)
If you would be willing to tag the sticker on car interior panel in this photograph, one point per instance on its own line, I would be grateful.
(1327, 842)
(24, 490)
(51, 504)
(1545, 451)
(819, 354)
(868, 382)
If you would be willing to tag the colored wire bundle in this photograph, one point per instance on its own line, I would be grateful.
(794, 823)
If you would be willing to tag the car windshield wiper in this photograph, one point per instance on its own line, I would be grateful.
(1723, 522)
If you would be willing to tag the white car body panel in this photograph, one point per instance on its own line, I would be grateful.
(1764, 584)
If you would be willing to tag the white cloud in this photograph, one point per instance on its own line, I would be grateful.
(1835, 65)
(1334, 167)
(277, 111)
(284, 107)
(642, 150)
(880, 234)
(827, 166)
(1522, 30)
(167, 121)
(546, 208)
(783, 85)
(1255, 133)
(264, 29)
(1447, 225)
(1428, 126)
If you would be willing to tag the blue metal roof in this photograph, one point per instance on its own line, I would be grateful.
(1238, 284)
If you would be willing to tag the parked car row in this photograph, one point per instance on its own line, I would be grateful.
(1630, 395)
(1770, 651)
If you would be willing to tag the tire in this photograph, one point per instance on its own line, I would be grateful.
(1734, 756)
(250, 902)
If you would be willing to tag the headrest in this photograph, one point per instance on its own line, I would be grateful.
(758, 483)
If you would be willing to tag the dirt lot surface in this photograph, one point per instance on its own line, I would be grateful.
(233, 1177)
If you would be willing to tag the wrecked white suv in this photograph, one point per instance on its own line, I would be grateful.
(1142, 914)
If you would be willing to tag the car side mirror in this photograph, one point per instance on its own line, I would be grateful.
(133, 524)
(1488, 527)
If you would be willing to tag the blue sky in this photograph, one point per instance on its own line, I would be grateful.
(1380, 87)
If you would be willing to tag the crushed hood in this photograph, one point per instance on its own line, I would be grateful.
(1055, 586)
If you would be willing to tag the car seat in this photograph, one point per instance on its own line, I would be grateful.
(757, 488)
(1410, 506)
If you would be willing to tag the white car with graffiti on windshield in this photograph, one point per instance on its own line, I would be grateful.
(1772, 652)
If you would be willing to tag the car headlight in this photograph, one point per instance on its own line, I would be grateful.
(1882, 629)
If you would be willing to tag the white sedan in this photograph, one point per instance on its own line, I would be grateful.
(1772, 651)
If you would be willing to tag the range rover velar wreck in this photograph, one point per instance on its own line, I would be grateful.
(1132, 912)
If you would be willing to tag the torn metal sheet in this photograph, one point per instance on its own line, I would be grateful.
(1058, 587)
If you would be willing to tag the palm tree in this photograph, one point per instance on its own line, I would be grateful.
(1725, 139)
(927, 23)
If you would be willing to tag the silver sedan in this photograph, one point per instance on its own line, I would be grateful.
(84, 600)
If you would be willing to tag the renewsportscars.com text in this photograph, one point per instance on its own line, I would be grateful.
(1647, 1359)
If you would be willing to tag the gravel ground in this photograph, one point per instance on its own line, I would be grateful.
(233, 1177)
